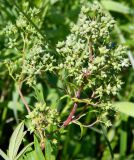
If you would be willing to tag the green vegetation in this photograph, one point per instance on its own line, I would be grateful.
(66, 87)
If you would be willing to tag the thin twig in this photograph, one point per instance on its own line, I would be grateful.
(87, 126)
(79, 117)
(92, 124)
(23, 99)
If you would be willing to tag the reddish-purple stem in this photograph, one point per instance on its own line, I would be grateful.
(23, 99)
(70, 117)
(91, 52)
(86, 74)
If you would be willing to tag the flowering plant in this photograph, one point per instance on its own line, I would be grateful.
(87, 65)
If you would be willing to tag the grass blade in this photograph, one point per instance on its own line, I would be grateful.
(108, 143)
(123, 136)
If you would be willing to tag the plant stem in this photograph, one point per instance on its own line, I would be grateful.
(23, 99)
(87, 126)
(90, 52)
(85, 75)
(70, 117)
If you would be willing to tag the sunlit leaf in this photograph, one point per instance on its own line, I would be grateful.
(16, 140)
(48, 150)
(4, 155)
(125, 107)
(38, 149)
(117, 7)
(23, 151)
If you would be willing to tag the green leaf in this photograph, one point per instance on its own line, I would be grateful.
(23, 150)
(125, 107)
(48, 150)
(123, 136)
(38, 149)
(53, 1)
(30, 155)
(4, 155)
(53, 97)
(16, 140)
(117, 7)
(39, 93)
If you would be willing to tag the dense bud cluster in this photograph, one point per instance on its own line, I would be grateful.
(88, 57)
(33, 51)
(93, 26)
(43, 117)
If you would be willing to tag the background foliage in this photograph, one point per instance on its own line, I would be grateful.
(56, 17)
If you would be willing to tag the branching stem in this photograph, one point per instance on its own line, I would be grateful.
(70, 117)
(86, 74)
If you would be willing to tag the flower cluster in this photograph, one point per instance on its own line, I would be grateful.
(42, 118)
(91, 35)
(30, 48)
(89, 58)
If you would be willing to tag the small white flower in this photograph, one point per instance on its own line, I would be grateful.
(125, 63)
